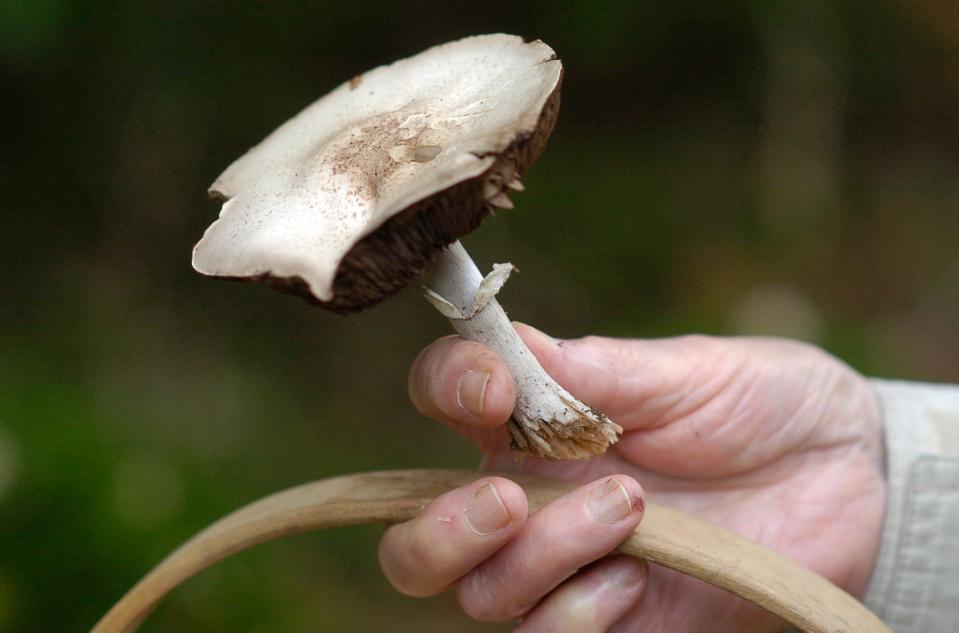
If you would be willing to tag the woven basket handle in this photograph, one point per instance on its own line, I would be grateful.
(672, 539)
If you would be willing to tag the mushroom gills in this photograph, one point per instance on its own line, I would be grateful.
(548, 421)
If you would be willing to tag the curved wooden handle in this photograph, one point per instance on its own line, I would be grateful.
(672, 539)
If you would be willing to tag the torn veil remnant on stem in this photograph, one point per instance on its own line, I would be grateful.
(547, 421)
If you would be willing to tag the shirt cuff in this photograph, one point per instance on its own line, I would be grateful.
(914, 586)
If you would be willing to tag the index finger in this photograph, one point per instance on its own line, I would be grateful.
(465, 385)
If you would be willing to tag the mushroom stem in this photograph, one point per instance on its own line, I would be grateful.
(547, 421)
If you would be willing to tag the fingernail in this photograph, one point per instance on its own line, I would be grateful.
(485, 512)
(609, 502)
(471, 391)
(625, 574)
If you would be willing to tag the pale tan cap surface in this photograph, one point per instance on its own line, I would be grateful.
(298, 201)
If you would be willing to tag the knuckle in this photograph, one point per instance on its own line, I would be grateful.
(424, 376)
(485, 356)
(702, 343)
(412, 566)
(479, 598)
(476, 606)
(423, 560)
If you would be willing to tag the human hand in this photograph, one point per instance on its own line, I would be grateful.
(772, 439)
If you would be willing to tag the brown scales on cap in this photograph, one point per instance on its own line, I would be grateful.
(395, 254)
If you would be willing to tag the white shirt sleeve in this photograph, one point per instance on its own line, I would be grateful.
(915, 585)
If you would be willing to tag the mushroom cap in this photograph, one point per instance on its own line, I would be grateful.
(345, 203)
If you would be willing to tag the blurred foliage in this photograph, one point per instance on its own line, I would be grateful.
(730, 167)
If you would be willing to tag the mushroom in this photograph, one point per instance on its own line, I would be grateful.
(373, 184)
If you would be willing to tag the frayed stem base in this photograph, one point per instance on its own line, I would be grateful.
(547, 421)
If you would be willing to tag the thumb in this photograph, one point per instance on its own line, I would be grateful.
(639, 384)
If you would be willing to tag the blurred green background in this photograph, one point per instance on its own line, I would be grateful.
(725, 167)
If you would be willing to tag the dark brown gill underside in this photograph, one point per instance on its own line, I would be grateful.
(396, 254)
